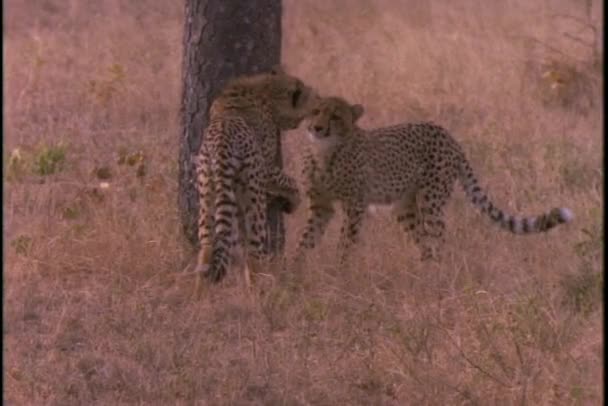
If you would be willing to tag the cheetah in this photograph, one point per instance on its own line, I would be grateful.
(236, 167)
(411, 167)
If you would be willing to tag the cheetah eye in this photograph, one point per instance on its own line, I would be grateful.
(295, 97)
(334, 117)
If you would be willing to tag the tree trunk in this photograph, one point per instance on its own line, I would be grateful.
(222, 39)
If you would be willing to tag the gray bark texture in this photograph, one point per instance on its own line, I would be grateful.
(222, 39)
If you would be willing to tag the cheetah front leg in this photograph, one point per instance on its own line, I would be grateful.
(283, 186)
(320, 214)
(349, 234)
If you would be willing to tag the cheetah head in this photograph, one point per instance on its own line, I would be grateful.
(332, 119)
(291, 100)
(286, 98)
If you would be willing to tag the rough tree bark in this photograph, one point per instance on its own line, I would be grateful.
(222, 39)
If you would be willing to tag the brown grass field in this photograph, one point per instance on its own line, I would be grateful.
(97, 308)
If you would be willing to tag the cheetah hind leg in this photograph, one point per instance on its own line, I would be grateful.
(406, 213)
(241, 258)
(252, 226)
(205, 236)
(203, 263)
(202, 266)
(318, 219)
(421, 223)
(429, 228)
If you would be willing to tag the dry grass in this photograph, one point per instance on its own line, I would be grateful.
(92, 313)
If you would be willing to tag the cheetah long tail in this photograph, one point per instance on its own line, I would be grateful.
(517, 225)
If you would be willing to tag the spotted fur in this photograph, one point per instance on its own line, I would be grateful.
(236, 166)
(411, 167)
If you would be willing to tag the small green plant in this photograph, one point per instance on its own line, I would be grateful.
(577, 174)
(141, 170)
(108, 86)
(415, 337)
(577, 393)
(34, 53)
(49, 160)
(103, 173)
(315, 310)
(137, 159)
(71, 212)
(22, 245)
(276, 306)
(591, 246)
(556, 151)
(79, 230)
(531, 325)
(565, 85)
(483, 154)
(583, 291)
(132, 193)
(16, 167)
(126, 157)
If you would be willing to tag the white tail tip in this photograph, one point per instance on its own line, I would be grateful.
(566, 214)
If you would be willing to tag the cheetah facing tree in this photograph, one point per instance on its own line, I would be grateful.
(236, 166)
(411, 167)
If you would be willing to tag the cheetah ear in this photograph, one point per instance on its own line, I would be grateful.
(357, 111)
(277, 70)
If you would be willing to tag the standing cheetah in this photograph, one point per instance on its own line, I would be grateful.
(236, 166)
(411, 167)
